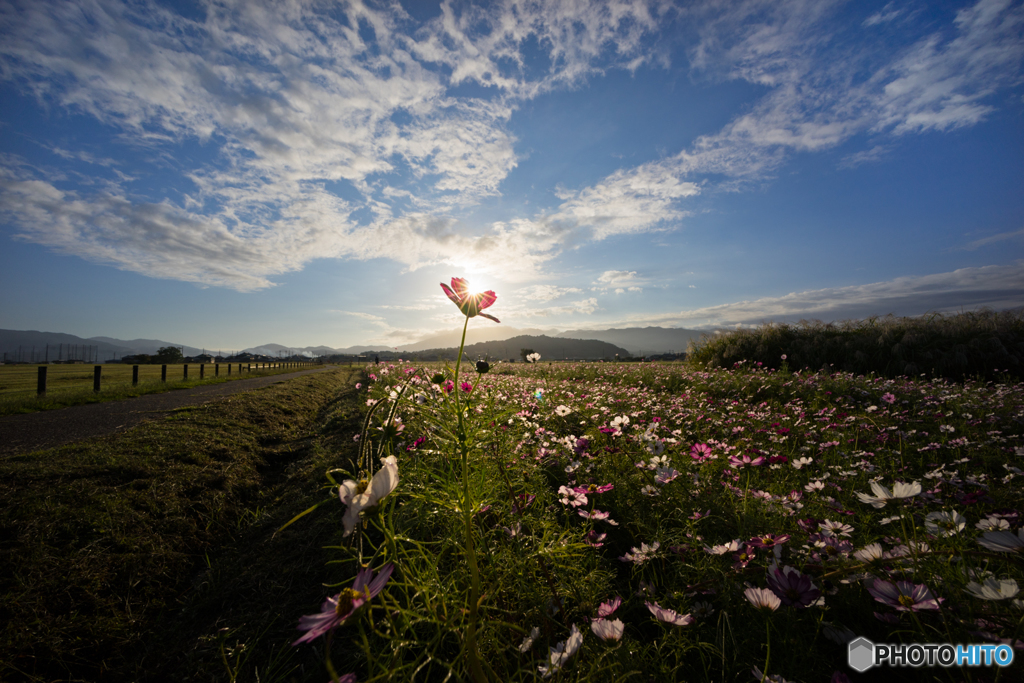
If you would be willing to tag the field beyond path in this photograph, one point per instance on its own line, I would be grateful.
(53, 428)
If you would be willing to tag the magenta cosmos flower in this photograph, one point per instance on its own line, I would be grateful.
(469, 303)
(905, 596)
(792, 587)
(337, 609)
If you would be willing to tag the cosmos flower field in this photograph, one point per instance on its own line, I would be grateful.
(661, 522)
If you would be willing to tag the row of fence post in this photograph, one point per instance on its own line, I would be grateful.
(98, 370)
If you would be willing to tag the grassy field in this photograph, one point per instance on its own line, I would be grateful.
(151, 555)
(568, 522)
(68, 385)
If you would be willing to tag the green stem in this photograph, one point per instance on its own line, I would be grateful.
(475, 670)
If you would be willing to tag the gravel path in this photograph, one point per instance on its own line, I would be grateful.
(52, 428)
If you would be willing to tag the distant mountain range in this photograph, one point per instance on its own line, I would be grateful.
(549, 348)
(497, 341)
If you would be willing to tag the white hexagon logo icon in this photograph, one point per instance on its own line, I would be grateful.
(861, 654)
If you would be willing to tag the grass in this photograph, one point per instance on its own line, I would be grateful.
(69, 385)
(151, 555)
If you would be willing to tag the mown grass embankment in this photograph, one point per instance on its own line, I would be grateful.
(72, 385)
(152, 554)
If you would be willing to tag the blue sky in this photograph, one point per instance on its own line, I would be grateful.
(226, 174)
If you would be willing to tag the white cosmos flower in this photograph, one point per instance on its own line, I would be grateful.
(563, 410)
(993, 524)
(883, 495)
(607, 630)
(870, 552)
(994, 589)
(1003, 541)
(361, 495)
(562, 652)
(945, 523)
(528, 640)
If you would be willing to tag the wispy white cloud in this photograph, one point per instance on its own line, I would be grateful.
(884, 15)
(997, 287)
(993, 239)
(544, 293)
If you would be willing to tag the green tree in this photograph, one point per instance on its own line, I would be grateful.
(168, 355)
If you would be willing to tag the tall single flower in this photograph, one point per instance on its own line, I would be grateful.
(469, 303)
(337, 609)
(365, 494)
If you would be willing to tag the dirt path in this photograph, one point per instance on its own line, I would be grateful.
(52, 428)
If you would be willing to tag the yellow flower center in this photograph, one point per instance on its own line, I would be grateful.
(345, 600)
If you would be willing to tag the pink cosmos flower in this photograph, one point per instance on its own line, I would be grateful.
(905, 596)
(594, 488)
(888, 398)
(668, 616)
(337, 609)
(598, 515)
(700, 452)
(665, 474)
(792, 587)
(606, 609)
(741, 461)
(743, 557)
(470, 304)
(768, 540)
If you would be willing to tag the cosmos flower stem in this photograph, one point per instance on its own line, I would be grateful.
(768, 654)
(475, 669)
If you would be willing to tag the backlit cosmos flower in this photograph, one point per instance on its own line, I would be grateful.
(361, 495)
(337, 609)
(470, 304)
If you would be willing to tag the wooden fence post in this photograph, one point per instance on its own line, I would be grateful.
(41, 381)
(96, 378)
(229, 369)
(202, 370)
(163, 373)
(135, 375)
(185, 371)
(216, 369)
